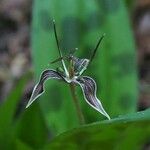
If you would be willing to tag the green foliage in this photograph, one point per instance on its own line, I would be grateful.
(118, 61)
(126, 133)
(79, 24)
(7, 112)
(20, 145)
(32, 123)
(28, 130)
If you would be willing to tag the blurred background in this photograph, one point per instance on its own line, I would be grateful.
(121, 67)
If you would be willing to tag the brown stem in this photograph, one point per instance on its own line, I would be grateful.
(77, 105)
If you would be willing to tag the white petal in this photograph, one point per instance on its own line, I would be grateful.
(39, 87)
(89, 89)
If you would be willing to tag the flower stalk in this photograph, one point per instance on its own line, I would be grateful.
(76, 103)
(74, 96)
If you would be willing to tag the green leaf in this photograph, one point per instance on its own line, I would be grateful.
(125, 132)
(21, 146)
(79, 24)
(56, 102)
(31, 128)
(114, 67)
(118, 66)
(7, 112)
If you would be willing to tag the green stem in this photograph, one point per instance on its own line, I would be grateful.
(77, 105)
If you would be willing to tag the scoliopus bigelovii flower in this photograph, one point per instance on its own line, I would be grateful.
(71, 74)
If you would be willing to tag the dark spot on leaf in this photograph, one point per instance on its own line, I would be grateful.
(109, 6)
(123, 64)
(94, 20)
(45, 20)
(71, 32)
(56, 100)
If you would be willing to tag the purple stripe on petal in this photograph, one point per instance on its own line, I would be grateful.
(39, 87)
(89, 88)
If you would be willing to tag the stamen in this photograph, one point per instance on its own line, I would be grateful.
(96, 48)
(58, 47)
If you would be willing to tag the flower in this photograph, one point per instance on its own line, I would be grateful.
(86, 83)
(71, 76)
